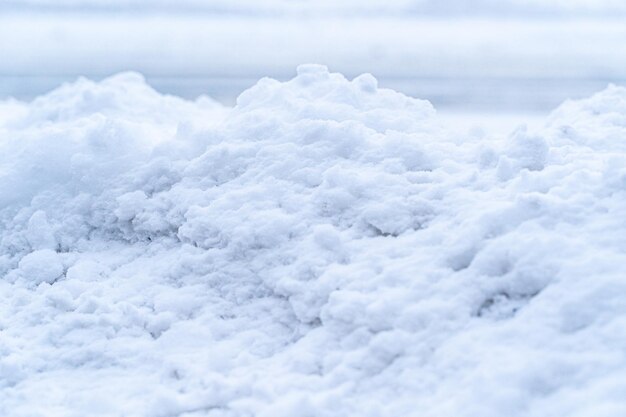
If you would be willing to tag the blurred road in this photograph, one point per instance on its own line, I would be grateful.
(475, 64)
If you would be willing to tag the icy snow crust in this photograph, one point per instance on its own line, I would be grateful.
(324, 248)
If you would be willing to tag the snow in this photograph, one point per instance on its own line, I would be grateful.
(323, 248)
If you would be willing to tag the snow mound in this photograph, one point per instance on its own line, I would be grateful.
(324, 248)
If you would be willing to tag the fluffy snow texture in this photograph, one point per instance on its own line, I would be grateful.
(324, 248)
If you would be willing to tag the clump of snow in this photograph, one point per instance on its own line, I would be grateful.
(40, 266)
(325, 247)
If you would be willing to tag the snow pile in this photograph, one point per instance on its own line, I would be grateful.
(324, 248)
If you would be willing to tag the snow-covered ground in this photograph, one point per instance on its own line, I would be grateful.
(322, 248)
(318, 245)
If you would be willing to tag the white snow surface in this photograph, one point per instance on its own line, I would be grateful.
(324, 248)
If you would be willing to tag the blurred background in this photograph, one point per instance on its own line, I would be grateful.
(494, 59)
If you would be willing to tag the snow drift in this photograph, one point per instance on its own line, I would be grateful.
(324, 248)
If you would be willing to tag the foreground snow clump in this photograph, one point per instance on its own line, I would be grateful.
(324, 248)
